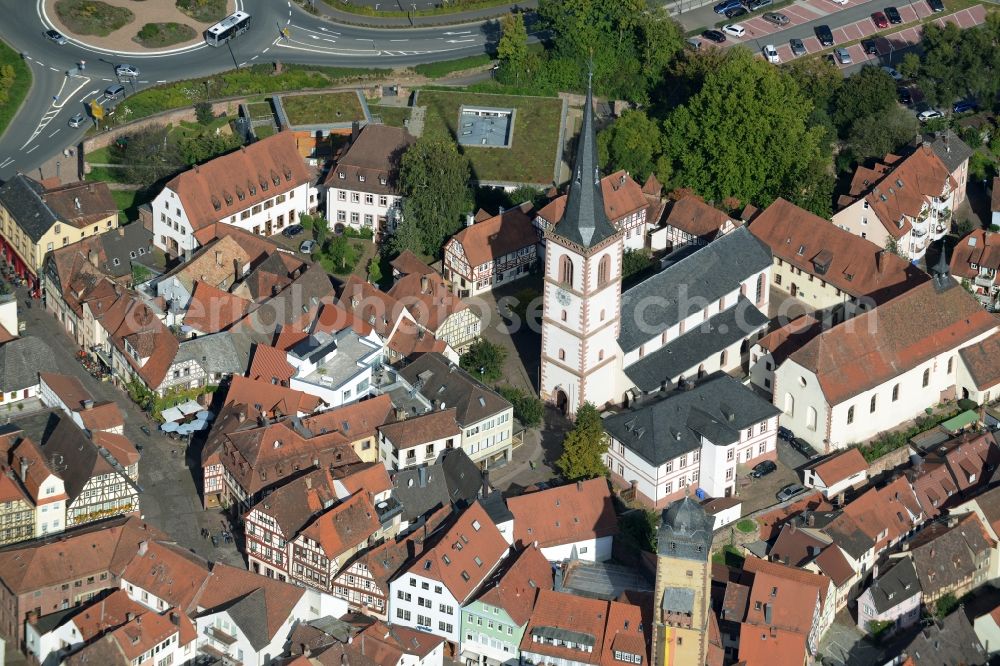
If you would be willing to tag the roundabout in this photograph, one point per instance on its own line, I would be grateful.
(155, 27)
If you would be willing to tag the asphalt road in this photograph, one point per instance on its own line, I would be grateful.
(41, 128)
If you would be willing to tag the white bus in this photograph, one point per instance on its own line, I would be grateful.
(227, 28)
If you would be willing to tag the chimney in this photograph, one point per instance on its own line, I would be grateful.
(424, 284)
(143, 547)
(579, 486)
(218, 257)
(241, 417)
(129, 616)
(355, 130)
(880, 261)
(24, 469)
(88, 404)
(309, 483)
(76, 203)
(400, 414)
(486, 483)
(121, 232)
(92, 257)
(175, 619)
(811, 520)
(470, 219)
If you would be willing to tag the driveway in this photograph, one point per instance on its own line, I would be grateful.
(760, 493)
(169, 498)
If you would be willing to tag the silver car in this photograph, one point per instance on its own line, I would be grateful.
(308, 246)
(843, 57)
(77, 119)
(776, 18)
(128, 71)
(790, 491)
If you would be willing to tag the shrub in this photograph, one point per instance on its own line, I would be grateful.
(528, 409)
(746, 526)
(203, 113)
(878, 628)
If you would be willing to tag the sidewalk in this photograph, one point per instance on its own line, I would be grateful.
(473, 16)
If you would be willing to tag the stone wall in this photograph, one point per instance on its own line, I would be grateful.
(171, 117)
(898, 458)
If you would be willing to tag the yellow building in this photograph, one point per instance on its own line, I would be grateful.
(682, 601)
(36, 218)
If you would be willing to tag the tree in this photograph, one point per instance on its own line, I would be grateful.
(945, 604)
(584, 447)
(528, 409)
(632, 143)
(203, 113)
(719, 146)
(883, 133)
(640, 526)
(374, 270)
(149, 155)
(320, 227)
(340, 255)
(484, 360)
(909, 66)
(207, 145)
(892, 247)
(869, 92)
(513, 46)
(634, 261)
(878, 628)
(434, 178)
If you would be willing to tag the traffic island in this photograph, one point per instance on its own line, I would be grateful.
(92, 17)
(159, 35)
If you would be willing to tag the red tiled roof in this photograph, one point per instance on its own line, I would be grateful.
(762, 646)
(407, 262)
(100, 416)
(421, 429)
(270, 365)
(624, 632)
(980, 247)
(119, 446)
(834, 565)
(497, 236)
(692, 215)
(841, 466)
(816, 246)
(559, 610)
(376, 308)
(168, 572)
(272, 398)
(983, 361)
(567, 514)
(518, 585)
(783, 342)
(622, 197)
(228, 184)
(456, 567)
(344, 526)
(428, 299)
(228, 583)
(895, 337)
(212, 310)
(355, 421)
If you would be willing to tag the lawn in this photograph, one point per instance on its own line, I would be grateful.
(260, 110)
(14, 84)
(534, 140)
(746, 526)
(156, 35)
(205, 11)
(436, 70)
(730, 556)
(92, 17)
(128, 202)
(394, 116)
(322, 108)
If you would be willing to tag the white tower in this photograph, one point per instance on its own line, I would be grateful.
(582, 298)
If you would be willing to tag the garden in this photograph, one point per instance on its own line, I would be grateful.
(393, 116)
(204, 11)
(534, 139)
(15, 80)
(323, 108)
(158, 35)
(92, 17)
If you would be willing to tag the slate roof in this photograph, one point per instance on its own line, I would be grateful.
(944, 556)
(35, 208)
(705, 276)
(685, 531)
(950, 149)
(444, 382)
(895, 586)
(21, 360)
(881, 344)
(219, 353)
(452, 480)
(948, 642)
(717, 408)
(585, 221)
(689, 350)
(983, 361)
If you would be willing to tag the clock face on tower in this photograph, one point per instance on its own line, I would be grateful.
(562, 296)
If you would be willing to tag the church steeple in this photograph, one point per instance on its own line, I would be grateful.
(585, 222)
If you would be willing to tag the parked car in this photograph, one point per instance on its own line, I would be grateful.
(77, 119)
(763, 469)
(839, 2)
(929, 114)
(726, 5)
(736, 12)
(145, 431)
(843, 56)
(130, 71)
(880, 21)
(292, 231)
(936, 5)
(775, 18)
(790, 491)
(824, 35)
(798, 48)
(785, 433)
(694, 44)
(771, 54)
(896, 76)
(308, 246)
(734, 29)
(115, 90)
(964, 106)
(55, 36)
(802, 446)
(754, 5)
(714, 36)
(870, 47)
(904, 95)
(892, 14)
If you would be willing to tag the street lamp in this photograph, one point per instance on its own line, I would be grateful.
(230, 45)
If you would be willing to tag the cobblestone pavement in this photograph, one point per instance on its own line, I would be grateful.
(169, 498)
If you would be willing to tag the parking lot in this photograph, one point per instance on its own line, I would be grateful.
(810, 11)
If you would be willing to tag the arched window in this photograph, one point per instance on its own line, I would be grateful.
(722, 358)
(760, 288)
(811, 418)
(600, 355)
(603, 271)
(895, 393)
(789, 404)
(566, 270)
(562, 354)
(850, 415)
(927, 377)
(871, 407)
(950, 360)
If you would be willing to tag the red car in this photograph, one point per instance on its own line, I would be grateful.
(880, 21)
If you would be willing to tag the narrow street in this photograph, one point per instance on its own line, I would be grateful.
(169, 498)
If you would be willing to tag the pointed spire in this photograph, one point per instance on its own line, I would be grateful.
(585, 221)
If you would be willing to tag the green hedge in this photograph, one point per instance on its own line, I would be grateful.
(15, 80)
(435, 70)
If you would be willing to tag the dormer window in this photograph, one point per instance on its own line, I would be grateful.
(253, 189)
(216, 204)
(341, 175)
(361, 177)
(382, 180)
(974, 265)
(241, 195)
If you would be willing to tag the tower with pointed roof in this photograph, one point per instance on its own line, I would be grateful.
(682, 592)
(582, 291)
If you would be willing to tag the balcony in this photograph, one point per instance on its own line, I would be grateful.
(919, 232)
(984, 281)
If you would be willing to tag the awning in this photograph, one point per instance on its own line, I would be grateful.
(171, 414)
(205, 415)
(189, 407)
(169, 426)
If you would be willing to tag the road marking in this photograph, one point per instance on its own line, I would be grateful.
(399, 40)
(108, 80)
(255, 57)
(461, 32)
(7, 162)
(33, 148)
(460, 41)
(266, 50)
(41, 63)
(56, 132)
(164, 81)
(53, 69)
